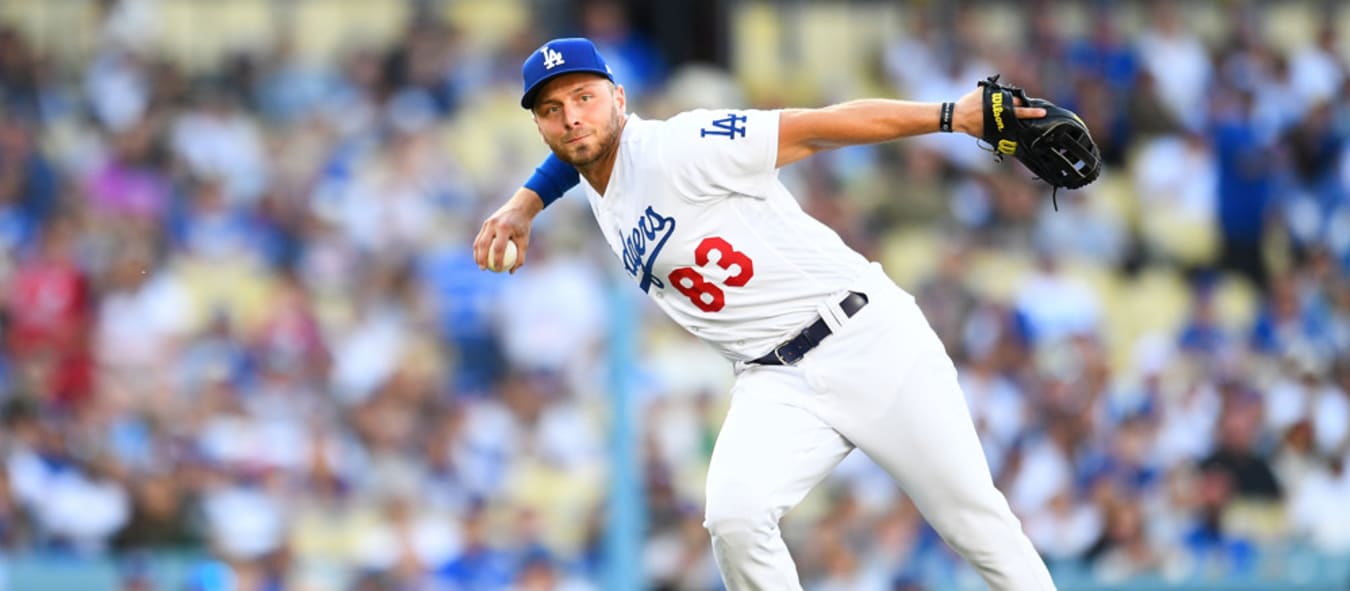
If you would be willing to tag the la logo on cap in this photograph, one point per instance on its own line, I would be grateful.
(551, 58)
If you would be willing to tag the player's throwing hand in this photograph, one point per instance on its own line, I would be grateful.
(510, 223)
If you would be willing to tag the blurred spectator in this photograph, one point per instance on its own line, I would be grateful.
(1235, 456)
(1203, 335)
(945, 299)
(1179, 63)
(633, 57)
(997, 407)
(131, 182)
(141, 320)
(117, 87)
(18, 78)
(216, 140)
(48, 306)
(406, 542)
(1307, 395)
(28, 185)
(480, 565)
(1316, 70)
(537, 336)
(1176, 179)
(1148, 116)
(1285, 324)
(1046, 467)
(1318, 510)
(1066, 528)
(1054, 305)
(83, 506)
(676, 559)
(243, 516)
(1296, 457)
(1082, 229)
(1104, 53)
(1247, 166)
(1124, 549)
(1208, 541)
(161, 517)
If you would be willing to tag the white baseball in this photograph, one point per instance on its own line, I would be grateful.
(508, 259)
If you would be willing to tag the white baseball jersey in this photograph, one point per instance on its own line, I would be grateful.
(695, 211)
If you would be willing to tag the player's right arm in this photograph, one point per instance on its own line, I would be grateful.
(511, 221)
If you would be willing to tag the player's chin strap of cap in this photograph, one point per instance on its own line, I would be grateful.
(792, 351)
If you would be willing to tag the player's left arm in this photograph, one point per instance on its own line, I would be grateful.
(803, 132)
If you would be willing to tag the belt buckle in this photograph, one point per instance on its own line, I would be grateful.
(790, 353)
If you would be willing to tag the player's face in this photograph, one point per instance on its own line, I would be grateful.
(579, 116)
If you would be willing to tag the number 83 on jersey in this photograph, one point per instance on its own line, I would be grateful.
(704, 294)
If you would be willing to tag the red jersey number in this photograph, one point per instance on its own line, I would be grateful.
(706, 294)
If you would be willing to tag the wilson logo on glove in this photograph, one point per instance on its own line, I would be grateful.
(996, 107)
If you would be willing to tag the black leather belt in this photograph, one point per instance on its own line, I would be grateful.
(790, 352)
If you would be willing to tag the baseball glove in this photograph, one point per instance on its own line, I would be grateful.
(1057, 147)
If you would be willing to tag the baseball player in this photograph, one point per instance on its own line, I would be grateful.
(829, 354)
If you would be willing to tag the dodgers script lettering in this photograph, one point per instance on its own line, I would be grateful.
(651, 233)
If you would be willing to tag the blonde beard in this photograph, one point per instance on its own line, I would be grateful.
(609, 144)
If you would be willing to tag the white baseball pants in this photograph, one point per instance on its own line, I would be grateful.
(882, 382)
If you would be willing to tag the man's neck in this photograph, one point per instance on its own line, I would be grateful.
(597, 173)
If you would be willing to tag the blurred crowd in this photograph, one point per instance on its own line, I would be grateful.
(240, 315)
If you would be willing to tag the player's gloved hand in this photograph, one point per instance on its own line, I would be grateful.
(1053, 143)
(969, 114)
(511, 222)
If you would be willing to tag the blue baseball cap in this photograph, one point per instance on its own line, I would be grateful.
(558, 57)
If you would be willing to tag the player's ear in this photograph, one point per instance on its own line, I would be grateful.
(620, 99)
